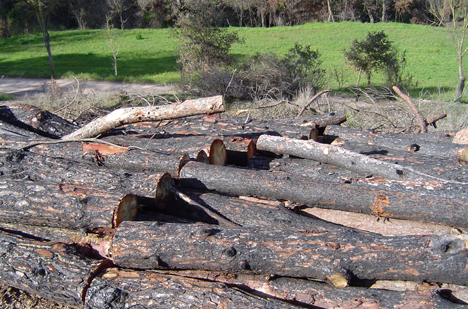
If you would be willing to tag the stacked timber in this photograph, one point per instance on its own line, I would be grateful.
(181, 206)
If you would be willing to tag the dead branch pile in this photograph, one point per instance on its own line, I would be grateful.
(181, 207)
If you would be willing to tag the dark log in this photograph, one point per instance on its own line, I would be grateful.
(35, 167)
(60, 205)
(309, 293)
(330, 154)
(36, 120)
(340, 196)
(289, 252)
(430, 144)
(95, 152)
(120, 288)
(7, 129)
(254, 212)
(55, 271)
(150, 113)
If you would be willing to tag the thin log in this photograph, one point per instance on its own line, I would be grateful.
(315, 97)
(121, 288)
(55, 271)
(417, 113)
(289, 252)
(308, 293)
(153, 113)
(431, 121)
(36, 120)
(59, 205)
(330, 154)
(332, 195)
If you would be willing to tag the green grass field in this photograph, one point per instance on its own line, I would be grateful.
(431, 55)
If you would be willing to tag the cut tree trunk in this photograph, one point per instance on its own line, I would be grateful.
(330, 154)
(59, 205)
(340, 196)
(35, 167)
(289, 252)
(121, 288)
(152, 113)
(56, 271)
(431, 144)
(36, 120)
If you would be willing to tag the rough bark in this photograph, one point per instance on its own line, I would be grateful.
(36, 120)
(60, 205)
(116, 288)
(341, 196)
(289, 252)
(35, 167)
(153, 113)
(55, 271)
(7, 129)
(431, 144)
(331, 154)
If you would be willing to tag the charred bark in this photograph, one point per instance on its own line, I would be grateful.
(289, 252)
(60, 205)
(340, 196)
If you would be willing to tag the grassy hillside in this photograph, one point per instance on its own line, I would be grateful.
(431, 55)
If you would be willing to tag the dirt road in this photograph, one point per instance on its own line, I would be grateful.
(23, 86)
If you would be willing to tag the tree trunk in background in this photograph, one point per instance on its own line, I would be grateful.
(461, 86)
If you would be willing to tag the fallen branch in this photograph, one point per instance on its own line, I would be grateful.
(417, 113)
(150, 113)
(311, 101)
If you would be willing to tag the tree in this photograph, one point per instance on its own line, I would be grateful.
(38, 7)
(453, 15)
(376, 53)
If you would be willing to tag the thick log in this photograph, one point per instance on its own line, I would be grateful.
(12, 130)
(253, 212)
(60, 205)
(152, 113)
(341, 196)
(35, 167)
(120, 288)
(330, 154)
(289, 252)
(309, 293)
(96, 152)
(36, 120)
(56, 271)
(430, 144)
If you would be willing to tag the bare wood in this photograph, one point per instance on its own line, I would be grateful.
(153, 113)
(331, 154)
(332, 195)
(315, 97)
(56, 271)
(288, 252)
(417, 113)
(431, 121)
(60, 205)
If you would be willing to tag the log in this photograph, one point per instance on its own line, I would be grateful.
(151, 113)
(36, 120)
(123, 288)
(338, 156)
(417, 113)
(67, 206)
(56, 271)
(252, 212)
(289, 252)
(307, 293)
(430, 144)
(96, 152)
(35, 167)
(12, 130)
(341, 196)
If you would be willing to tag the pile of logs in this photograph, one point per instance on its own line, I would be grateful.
(181, 206)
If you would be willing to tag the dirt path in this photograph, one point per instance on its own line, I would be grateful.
(23, 86)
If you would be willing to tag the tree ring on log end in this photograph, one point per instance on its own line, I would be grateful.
(127, 210)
